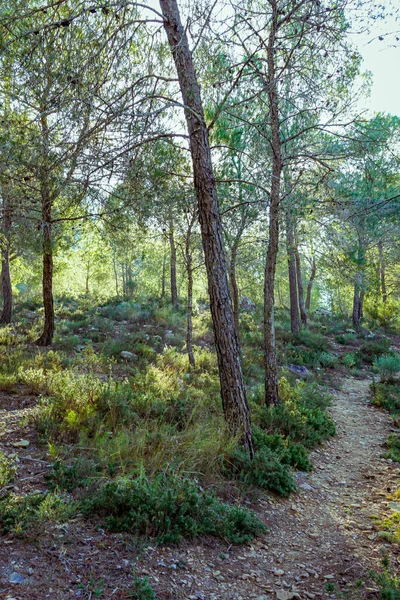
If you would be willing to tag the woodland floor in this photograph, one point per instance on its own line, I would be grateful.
(320, 543)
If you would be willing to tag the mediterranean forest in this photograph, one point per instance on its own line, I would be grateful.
(200, 299)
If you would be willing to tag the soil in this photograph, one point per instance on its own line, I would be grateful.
(321, 542)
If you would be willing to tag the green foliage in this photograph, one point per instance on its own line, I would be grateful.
(371, 348)
(141, 589)
(327, 360)
(264, 471)
(25, 516)
(292, 417)
(67, 477)
(7, 470)
(387, 395)
(385, 314)
(7, 336)
(347, 339)
(387, 365)
(393, 444)
(168, 508)
(351, 360)
(314, 341)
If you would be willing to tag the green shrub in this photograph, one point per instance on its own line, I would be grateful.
(67, 477)
(264, 471)
(351, 360)
(387, 395)
(7, 470)
(314, 341)
(387, 365)
(327, 360)
(141, 590)
(385, 314)
(7, 336)
(393, 444)
(293, 418)
(347, 339)
(168, 508)
(371, 348)
(287, 451)
(24, 516)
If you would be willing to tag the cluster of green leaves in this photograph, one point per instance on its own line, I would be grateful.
(168, 508)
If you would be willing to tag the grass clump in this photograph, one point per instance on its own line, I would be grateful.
(169, 508)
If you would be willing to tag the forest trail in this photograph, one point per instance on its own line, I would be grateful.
(320, 541)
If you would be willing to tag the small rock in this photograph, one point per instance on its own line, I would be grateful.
(21, 444)
(305, 486)
(127, 355)
(279, 572)
(16, 578)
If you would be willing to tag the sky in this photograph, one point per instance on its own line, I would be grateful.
(384, 62)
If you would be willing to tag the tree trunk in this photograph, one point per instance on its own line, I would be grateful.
(294, 301)
(164, 267)
(234, 287)
(46, 198)
(310, 284)
(300, 289)
(357, 304)
(382, 272)
(6, 314)
(359, 285)
(271, 371)
(115, 274)
(174, 287)
(48, 328)
(233, 393)
(189, 270)
(87, 279)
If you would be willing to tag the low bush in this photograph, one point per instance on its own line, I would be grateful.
(264, 471)
(7, 470)
(371, 348)
(387, 365)
(387, 395)
(314, 341)
(25, 516)
(293, 418)
(327, 360)
(141, 589)
(393, 444)
(168, 509)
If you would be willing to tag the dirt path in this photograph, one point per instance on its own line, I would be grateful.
(321, 541)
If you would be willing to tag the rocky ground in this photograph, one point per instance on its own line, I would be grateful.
(321, 542)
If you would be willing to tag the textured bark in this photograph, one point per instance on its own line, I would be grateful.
(164, 267)
(294, 301)
(189, 314)
(359, 284)
(48, 303)
(6, 287)
(234, 287)
(47, 249)
(172, 247)
(310, 284)
(115, 274)
(271, 371)
(233, 394)
(382, 272)
(300, 289)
